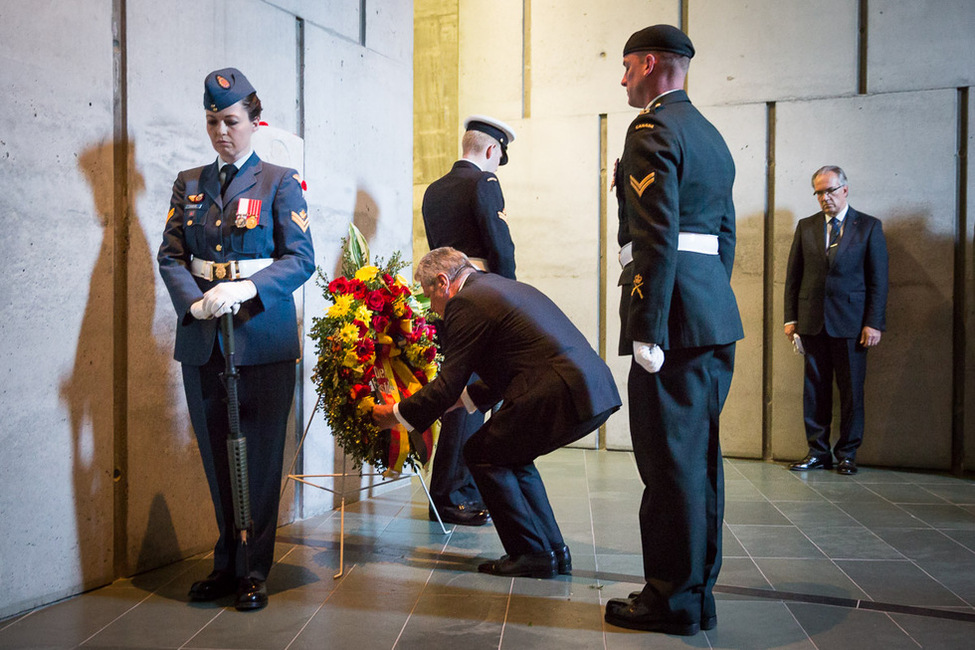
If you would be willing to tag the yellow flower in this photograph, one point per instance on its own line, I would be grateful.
(341, 307)
(366, 273)
(366, 404)
(351, 359)
(349, 333)
(363, 314)
(401, 281)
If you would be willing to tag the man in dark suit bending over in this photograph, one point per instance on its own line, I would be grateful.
(835, 309)
(555, 390)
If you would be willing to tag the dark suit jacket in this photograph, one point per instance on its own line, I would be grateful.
(847, 295)
(523, 347)
(464, 210)
(676, 175)
(202, 224)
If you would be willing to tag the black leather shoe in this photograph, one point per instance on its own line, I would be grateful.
(251, 594)
(216, 585)
(462, 515)
(634, 614)
(529, 565)
(707, 622)
(812, 462)
(563, 560)
(847, 466)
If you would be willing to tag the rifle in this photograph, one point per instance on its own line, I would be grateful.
(236, 449)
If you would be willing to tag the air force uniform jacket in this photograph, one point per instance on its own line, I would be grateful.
(202, 225)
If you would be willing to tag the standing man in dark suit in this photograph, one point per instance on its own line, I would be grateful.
(835, 309)
(465, 210)
(555, 390)
(680, 322)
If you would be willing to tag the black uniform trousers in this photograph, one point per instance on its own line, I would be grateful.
(846, 360)
(501, 459)
(451, 483)
(265, 393)
(674, 426)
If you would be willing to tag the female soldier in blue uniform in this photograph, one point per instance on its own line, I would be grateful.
(237, 241)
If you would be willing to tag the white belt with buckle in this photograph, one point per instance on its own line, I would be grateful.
(233, 270)
(689, 242)
(480, 263)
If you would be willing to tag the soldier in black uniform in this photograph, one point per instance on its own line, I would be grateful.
(237, 241)
(465, 210)
(680, 322)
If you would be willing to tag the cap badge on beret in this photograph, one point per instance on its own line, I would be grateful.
(223, 82)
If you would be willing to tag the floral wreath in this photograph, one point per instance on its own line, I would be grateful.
(373, 345)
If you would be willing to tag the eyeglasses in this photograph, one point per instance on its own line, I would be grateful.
(828, 192)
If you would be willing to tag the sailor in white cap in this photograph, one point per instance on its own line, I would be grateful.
(465, 210)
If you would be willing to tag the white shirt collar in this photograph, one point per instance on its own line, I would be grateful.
(473, 163)
(840, 216)
(237, 163)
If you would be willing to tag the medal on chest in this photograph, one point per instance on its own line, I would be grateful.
(248, 213)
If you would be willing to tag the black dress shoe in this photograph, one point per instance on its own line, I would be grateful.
(707, 622)
(634, 614)
(563, 560)
(847, 466)
(216, 585)
(251, 594)
(462, 515)
(812, 462)
(529, 565)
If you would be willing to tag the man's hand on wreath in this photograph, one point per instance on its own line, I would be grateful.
(382, 415)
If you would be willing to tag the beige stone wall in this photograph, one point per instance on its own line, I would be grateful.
(792, 87)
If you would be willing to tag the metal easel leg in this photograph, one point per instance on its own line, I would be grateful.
(432, 506)
(342, 524)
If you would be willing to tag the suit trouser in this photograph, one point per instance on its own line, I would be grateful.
(846, 360)
(674, 422)
(501, 458)
(451, 483)
(265, 393)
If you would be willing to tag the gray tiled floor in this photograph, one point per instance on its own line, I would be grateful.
(885, 559)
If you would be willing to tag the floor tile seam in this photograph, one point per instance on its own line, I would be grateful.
(847, 603)
(592, 517)
(215, 616)
(750, 558)
(416, 602)
(119, 617)
(328, 596)
(943, 585)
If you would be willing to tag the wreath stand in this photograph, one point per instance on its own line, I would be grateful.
(303, 478)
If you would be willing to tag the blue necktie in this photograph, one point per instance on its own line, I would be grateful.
(834, 238)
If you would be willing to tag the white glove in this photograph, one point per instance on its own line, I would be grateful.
(649, 356)
(227, 296)
(197, 311)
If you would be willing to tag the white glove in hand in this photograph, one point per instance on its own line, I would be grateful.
(197, 311)
(649, 356)
(227, 296)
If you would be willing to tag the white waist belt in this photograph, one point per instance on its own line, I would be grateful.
(233, 270)
(480, 263)
(689, 242)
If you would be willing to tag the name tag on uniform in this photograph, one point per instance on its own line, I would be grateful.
(248, 213)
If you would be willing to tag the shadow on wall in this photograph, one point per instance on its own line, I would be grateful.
(909, 375)
(89, 391)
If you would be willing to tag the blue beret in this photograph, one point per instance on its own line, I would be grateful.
(661, 38)
(223, 88)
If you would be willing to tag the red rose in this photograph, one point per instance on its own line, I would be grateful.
(380, 323)
(338, 285)
(374, 301)
(359, 391)
(430, 354)
(388, 279)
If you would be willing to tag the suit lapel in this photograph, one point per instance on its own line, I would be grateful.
(850, 226)
(245, 179)
(210, 183)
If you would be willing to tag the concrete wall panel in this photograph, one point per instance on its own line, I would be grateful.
(490, 58)
(744, 130)
(583, 41)
(389, 29)
(881, 144)
(772, 50)
(56, 397)
(358, 154)
(920, 45)
(341, 18)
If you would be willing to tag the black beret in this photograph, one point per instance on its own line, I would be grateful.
(662, 38)
(223, 88)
